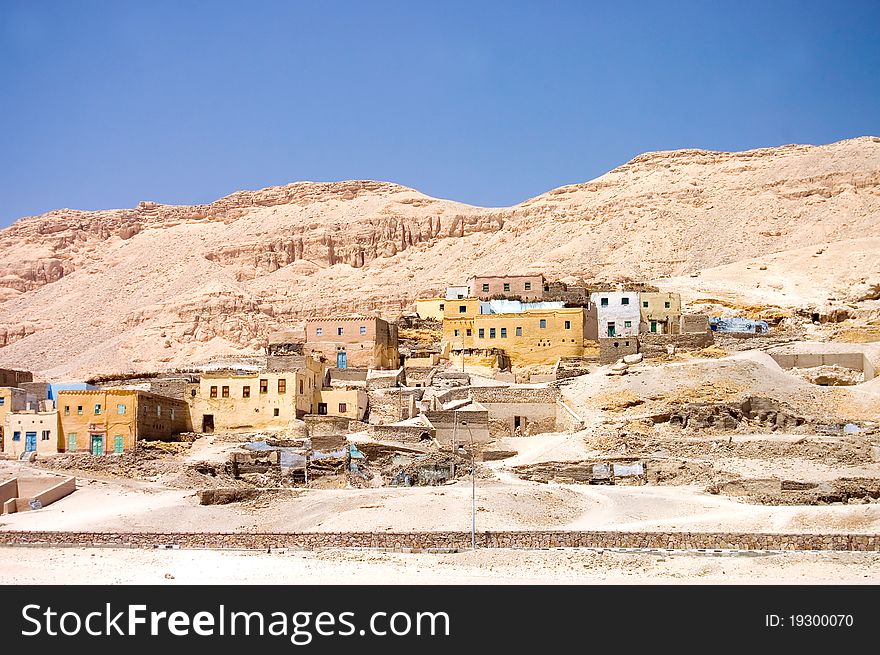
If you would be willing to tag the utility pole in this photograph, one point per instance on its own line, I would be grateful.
(473, 490)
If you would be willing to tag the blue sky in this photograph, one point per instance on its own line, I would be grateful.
(104, 104)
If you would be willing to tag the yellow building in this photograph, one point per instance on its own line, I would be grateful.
(659, 312)
(106, 421)
(462, 308)
(348, 403)
(431, 308)
(254, 400)
(530, 337)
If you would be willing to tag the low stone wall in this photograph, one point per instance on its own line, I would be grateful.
(404, 433)
(654, 345)
(613, 348)
(451, 540)
(514, 394)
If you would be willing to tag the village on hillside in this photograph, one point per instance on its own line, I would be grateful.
(458, 386)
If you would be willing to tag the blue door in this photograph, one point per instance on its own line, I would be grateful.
(340, 359)
(30, 442)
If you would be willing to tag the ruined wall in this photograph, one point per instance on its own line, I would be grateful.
(453, 540)
(693, 323)
(391, 405)
(326, 426)
(12, 378)
(613, 348)
(444, 424)
(854, 361)
(654, 345)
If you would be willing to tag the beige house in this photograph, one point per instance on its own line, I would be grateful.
(357, 341)
(659, 312)
(347, 403)
(32, 431)
(525, 287)
(254, 400)
(12, 400)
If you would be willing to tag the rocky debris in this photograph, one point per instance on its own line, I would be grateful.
(635, 358)
(774, 491)
(753, 410)
(829, 375)
(494, 455)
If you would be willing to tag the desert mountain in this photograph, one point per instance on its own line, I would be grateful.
(160, 286)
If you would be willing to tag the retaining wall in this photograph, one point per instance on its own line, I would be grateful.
(452, 540)
(654, 345)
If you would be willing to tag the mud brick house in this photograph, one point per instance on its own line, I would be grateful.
(359, 341)
(255, 399)
(32, 430)
(525, 287)
(660, 312)
(106, 421)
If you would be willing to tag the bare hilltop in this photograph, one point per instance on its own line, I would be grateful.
(158, 286)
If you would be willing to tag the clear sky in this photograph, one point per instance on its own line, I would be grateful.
(104, 104)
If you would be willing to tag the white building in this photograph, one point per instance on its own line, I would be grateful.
(617, 312)
(458, 292)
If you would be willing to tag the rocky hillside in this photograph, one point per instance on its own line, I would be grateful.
(158, 286)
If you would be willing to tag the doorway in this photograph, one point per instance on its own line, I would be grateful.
(97, 444)
(341, 359)
(207, 422)
(30, 442)
(611, 328)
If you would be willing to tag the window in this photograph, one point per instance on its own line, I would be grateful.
(67, 410)
(16, 436)
(275, 412)
(97, 408)
(528, 286)
(322, 409)
(158, 410)
(120, 409)
(603, 302)
(213, 393)
(627, 324)
(301, 385)
(456, 333)
(442, 306)
(666, 304)
(481, 333)
(503, 333)
(624, 301)
(2, 401)
(45, 435)
(79, 409)
(568, 325)
(282, 385)
(486, 288)
(264, 386)
(246, 391)
(519, 331)
(469, 332)
(339, 331)
(171, 413)
(71, 441)
(507, 286)
(363, 329)
(645, 304)
(462, 309)
(491, 333)
(343, 408)
(224, 392)
(543, 323)
(319, 332)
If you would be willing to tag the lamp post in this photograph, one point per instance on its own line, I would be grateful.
(473, 490)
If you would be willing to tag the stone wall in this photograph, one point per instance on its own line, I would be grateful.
(404, 433)
(451, 540)
(514, 394)
(444, 423)
(654, 345)
(327, 425)
(613, 348)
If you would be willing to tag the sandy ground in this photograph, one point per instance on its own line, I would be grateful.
(559, 566)
(502, 504)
